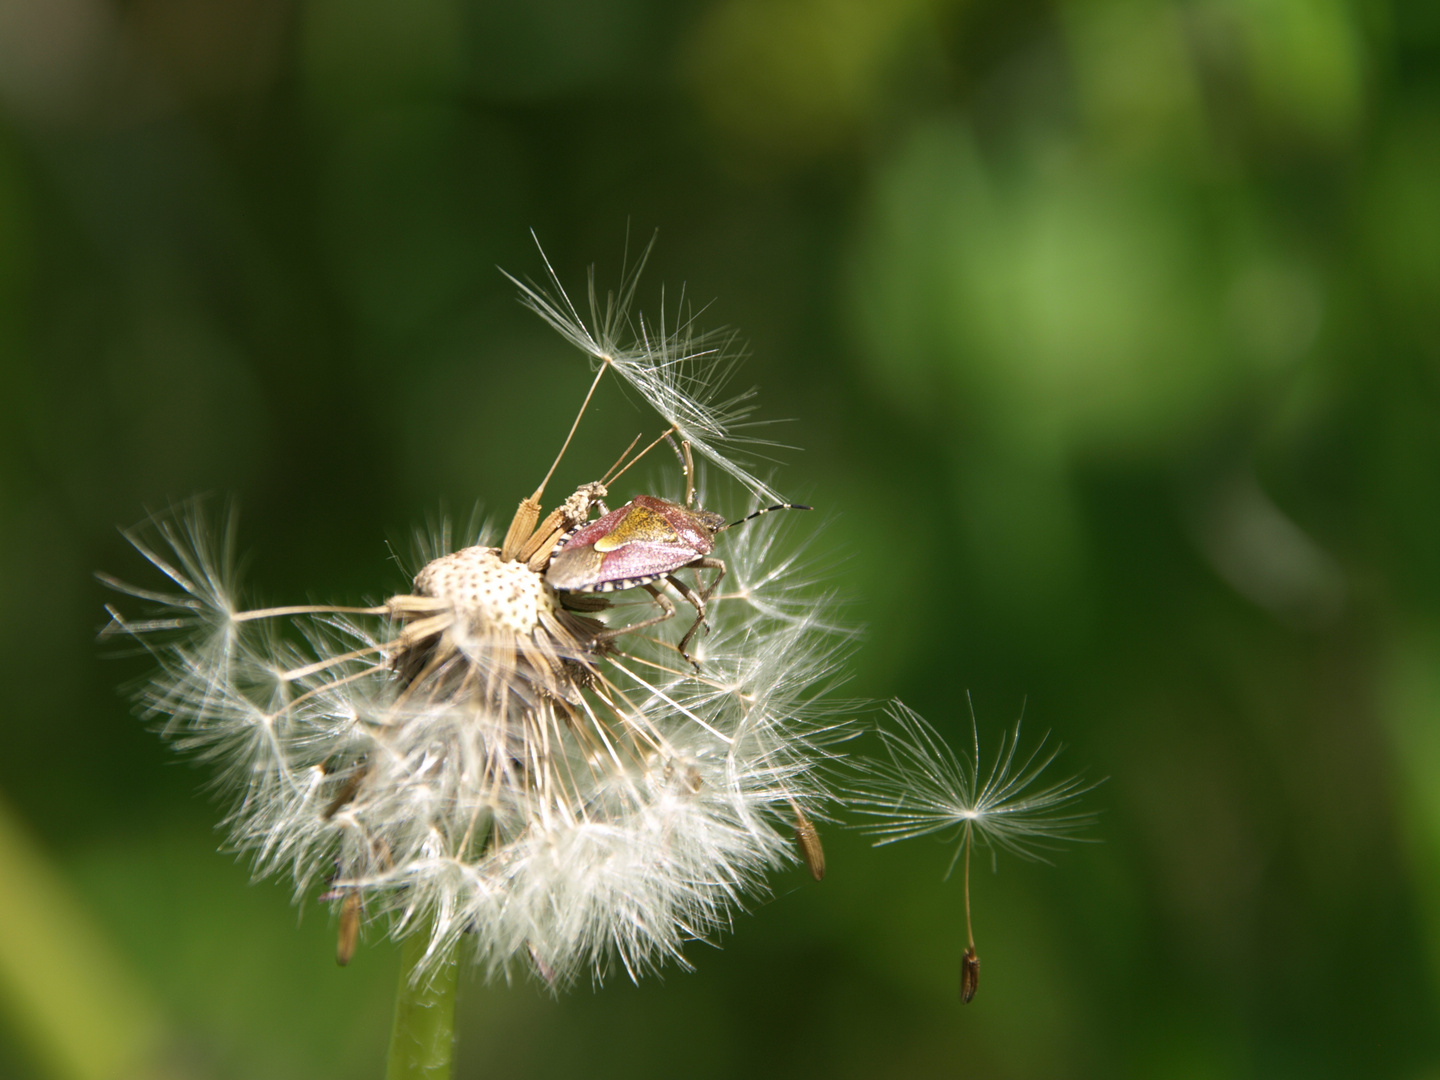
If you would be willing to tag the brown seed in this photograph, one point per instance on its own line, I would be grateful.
(969, 975)
(811, 849)
(349, 928)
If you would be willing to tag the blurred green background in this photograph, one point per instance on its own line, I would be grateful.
(1111, 335)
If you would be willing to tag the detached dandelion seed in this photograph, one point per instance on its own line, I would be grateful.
(923, 788)
(682, 372)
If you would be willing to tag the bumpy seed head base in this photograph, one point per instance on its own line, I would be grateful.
(479, 624)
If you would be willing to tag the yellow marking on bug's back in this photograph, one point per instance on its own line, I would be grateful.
(641, 523)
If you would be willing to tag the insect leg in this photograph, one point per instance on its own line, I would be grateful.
(697, 600)
(689, 475)
(667, 611)
(718, 565)
(687, 466)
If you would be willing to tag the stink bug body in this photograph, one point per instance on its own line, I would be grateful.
(645, 541)
(642, 542)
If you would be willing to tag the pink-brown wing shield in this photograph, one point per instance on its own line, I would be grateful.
(643, 540)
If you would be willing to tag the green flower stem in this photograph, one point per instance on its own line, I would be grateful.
(422, 1042)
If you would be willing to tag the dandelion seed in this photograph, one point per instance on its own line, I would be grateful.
(924, 788)
(681, 372)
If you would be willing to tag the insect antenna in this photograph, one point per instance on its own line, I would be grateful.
(766, 510)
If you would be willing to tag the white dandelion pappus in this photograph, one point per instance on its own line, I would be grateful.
(481, 759)
(681, 372)
(924, 788)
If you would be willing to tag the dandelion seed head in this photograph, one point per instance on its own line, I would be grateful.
(479, 758)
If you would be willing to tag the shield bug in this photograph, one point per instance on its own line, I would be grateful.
(648, 540)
